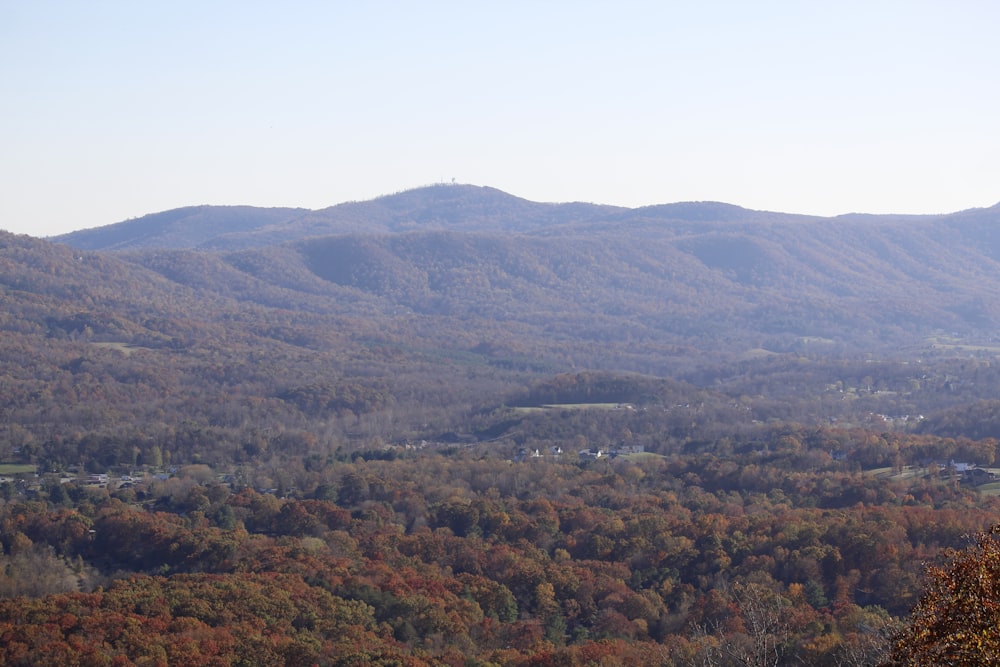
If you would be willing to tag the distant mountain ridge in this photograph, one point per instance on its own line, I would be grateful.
(699, 274)
(458, 208)
(187, 228)
(440, 207)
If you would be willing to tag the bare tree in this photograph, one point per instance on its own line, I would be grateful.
(866, 649)
(766, 631)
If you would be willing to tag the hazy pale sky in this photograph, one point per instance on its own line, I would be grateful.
(111, 110)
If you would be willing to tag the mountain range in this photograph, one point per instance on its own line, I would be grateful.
(462, 263)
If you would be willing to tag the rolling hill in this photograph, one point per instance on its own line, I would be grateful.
(456, 208)
(705, 275)
(187, 227)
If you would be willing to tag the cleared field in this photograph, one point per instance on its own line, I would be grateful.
(17, 469)
(905, 473)
(956, 345)
(641, 456)
(991, 489)
(991, 349)
(574, 406)
(584, 406)
(124, 348)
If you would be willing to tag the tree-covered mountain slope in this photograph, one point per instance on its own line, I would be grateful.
(188, 227)
(725, 278)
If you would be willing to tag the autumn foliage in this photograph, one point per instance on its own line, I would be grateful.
(327, 463)
(957, 621)
(450, 560)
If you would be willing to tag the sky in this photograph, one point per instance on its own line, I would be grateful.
(112, 110)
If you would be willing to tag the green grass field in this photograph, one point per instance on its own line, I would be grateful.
(571, 406)
(124, 348)
(584, 406)
(17, 469)
(956, 345)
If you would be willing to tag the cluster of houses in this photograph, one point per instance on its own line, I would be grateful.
(897, 421)
(31, 483)
(613, 451)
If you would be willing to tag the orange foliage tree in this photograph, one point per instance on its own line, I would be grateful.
(957, 621)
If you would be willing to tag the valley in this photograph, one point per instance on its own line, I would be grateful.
(451, 426)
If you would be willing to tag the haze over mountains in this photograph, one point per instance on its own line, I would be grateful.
(703, 273)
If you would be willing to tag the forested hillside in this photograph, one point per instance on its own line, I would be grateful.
(454, 427)
(186, 227)
(715, 275)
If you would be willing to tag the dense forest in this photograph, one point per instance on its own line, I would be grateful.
(452, 427)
